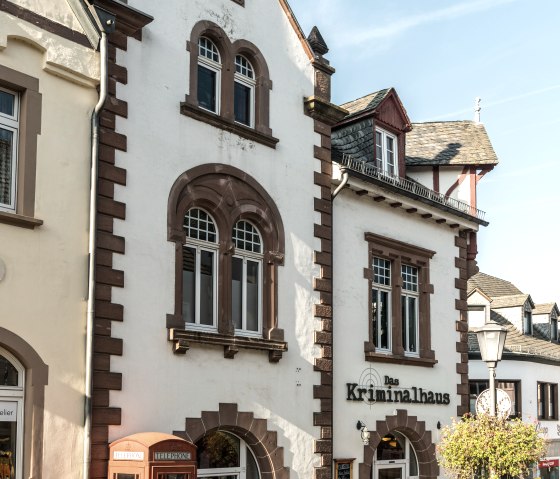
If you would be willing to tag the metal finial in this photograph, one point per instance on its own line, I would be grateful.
(477, 109)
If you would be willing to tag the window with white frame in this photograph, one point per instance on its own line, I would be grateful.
(386, 152)
(221, 455)
(244, 91)
(409, 309)
(209, 73)
(199, 270)
(11, 421)
(9, 127)
(381, 304)
(246, 279)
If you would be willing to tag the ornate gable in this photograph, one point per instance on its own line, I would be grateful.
(391, 112)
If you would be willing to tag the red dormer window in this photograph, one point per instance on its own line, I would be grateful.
(386, 152)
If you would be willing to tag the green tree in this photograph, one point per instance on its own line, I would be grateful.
(489, 447)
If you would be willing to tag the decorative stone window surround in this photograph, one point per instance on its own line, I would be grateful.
(401, 253)
(228, 195)
(29, 127)
(261, 132)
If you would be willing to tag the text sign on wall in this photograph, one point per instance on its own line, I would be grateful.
(172, 456)
(549, 463)
(8, 411)
(128, 455)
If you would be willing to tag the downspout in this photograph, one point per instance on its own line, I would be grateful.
(108, 25)
(342, 184)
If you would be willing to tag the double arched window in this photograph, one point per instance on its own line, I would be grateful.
(229, 84)
(229, 243)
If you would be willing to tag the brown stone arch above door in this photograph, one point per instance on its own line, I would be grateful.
(415, 431)
(254, 431)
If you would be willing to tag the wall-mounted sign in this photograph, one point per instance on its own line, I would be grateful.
(172, 456)
(343, 468)
(8, 411)
(373, 388)
(548, 463)
(128, 455)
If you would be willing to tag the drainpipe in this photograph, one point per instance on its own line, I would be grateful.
(107, 24)
(342, 185)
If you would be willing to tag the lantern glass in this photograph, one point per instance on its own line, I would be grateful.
(491, 339)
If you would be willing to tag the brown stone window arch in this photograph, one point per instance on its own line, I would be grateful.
(228, 195)
(224, 118)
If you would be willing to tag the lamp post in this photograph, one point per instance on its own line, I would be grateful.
(491, 339)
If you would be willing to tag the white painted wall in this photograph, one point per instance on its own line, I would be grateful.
(42, 297)
(354, 216)
(477, 319)
(514, 315)
(160, 389)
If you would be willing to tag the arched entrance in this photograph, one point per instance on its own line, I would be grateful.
(395, 458)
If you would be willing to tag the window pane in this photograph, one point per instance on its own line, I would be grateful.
(412, 344)
(382, 271)
(246, 237)
(8, 446)
(252, 469)
(6, 169)
(383, 320)
(206, 88)
(413, 461)
(236, 291)
(198, 225)
(218, 450)
(379, 150)
(252, 296)
(7, 103)
(189, 284)
(207, 288)
(242, 103)
(8, 373)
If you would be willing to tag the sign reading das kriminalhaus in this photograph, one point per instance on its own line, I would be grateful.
(373, 388)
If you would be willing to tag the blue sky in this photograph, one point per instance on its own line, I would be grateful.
(440, 55)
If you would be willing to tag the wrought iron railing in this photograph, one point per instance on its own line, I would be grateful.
(413, 187)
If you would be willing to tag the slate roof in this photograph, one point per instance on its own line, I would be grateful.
(355, 140)
(449, 143)
(368, 102)
(492, 286)
(518, 344)
(509, 301)
(545, 308)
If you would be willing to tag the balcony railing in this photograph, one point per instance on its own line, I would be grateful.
(413, 187)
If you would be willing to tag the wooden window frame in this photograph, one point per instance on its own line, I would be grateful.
(398, 253)
(548, 389)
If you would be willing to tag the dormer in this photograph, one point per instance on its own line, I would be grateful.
(374, 132)
(517, 309)
(479, 305)
(545, 321)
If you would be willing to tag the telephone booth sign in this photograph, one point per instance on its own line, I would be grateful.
(152, 455)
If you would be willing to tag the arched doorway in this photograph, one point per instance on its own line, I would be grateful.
(222, 455)
(395, 458)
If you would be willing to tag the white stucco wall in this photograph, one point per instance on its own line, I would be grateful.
(514, 315)
(477, 319)
(353, 216)
(42, 297)
(56, 10)
(160, 389)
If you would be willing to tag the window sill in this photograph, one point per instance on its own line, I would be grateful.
(406, 360)
(19, 220)
(231, 344)
(197, 113)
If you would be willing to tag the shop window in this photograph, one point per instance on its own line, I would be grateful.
(512, 388)
(229, 243)
(221, 455)
(547, 401)
(400, 290)
(229, 84)
(12, 382)
(20, 123)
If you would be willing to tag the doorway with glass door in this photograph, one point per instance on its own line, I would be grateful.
(395, 458)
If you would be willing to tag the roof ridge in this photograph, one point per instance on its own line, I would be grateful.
(367, 94)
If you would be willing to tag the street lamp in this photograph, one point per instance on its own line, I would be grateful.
(491, 339)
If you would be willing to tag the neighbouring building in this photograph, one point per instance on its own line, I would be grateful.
(404, 244)
(530, 367)
(49, 71)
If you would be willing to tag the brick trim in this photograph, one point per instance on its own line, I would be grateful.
(254, 431)
(461, 325)
(415, 431)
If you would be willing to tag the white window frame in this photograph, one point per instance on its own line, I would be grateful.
(11, 123)
(246, 255)
(408, 294)
(250, 83)
(386, 288)
(384, 168)
(199, 246)
(404, 464)
(16, 394)
(214, 66)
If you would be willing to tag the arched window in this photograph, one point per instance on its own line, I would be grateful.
(395, 457)
(209, 73)
(246, 279)
(223, 455)
(12, 382)
(244, 91)
(199, 270)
